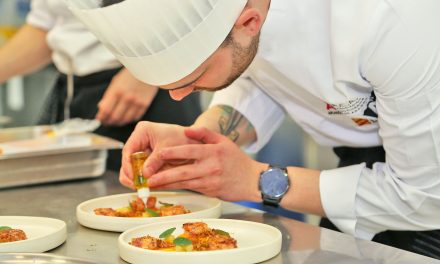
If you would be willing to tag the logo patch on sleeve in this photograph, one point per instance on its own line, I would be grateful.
(361, 110)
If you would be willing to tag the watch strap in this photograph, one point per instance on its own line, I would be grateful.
(270, 201)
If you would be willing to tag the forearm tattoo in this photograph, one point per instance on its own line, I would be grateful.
(229, 121)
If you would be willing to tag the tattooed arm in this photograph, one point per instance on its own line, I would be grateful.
(228, 122)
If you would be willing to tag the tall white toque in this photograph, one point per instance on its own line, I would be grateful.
(160, 41)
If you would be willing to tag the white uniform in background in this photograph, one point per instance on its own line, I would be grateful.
(75, 49)
(335, 54)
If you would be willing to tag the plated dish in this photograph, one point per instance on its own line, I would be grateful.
(9, 234)
(255, 242)
(137, 208)
(199, 206)
(41, 234)
(196, 236)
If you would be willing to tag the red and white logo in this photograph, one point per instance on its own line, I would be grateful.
(361, 110)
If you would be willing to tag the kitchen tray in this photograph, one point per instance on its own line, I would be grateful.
(32, 155)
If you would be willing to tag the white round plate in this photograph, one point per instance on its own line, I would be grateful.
(42, 234)
(255, 243)
(199, 205)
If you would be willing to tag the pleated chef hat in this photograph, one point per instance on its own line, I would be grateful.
(160, 41)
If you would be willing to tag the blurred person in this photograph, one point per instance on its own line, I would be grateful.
(363, 77)
(103, 89)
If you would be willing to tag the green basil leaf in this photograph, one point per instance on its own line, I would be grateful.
(4, 228)
(221, 232)
(167, 233)
(181, 241)
(166, 204)
(151, 212)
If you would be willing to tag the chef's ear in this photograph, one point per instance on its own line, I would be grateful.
(250, 21)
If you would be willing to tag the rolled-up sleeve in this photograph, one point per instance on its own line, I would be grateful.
(40, 15)
(402, 63)
(259, 109)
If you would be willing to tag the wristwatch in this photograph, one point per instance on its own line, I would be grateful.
(274, 184)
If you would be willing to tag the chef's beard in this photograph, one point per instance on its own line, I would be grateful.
(242, 57)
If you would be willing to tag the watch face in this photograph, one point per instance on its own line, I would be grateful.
(274, 182)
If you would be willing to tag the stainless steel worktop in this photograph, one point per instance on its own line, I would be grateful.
(302, 243)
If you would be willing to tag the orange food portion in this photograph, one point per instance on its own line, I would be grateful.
(201, 236)
(150, 242)
(137, 208)
(11, 235)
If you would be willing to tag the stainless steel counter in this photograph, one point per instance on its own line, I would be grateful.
(302, 243)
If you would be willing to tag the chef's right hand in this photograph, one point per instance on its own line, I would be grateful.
(153, 137)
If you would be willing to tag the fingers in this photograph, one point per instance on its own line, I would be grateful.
(191, 152)
(184, 173)
(129, 115)
(105, 106)
(124, 111)
(185, 152)
(203, 135)
(138, 141)
(194, 185)
(125, 100)
(124, 103)
(194, 151)
(121, 109)
(125, 180)
(152, 137)
(153, 164)
(138, 113)
(197, 185)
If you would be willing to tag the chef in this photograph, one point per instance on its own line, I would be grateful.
(362, 76)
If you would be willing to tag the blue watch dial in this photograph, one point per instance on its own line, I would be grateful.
(274, 182)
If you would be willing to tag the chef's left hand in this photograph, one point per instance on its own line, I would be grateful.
(125, 100)
(220, 168)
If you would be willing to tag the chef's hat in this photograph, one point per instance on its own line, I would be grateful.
(160, 41)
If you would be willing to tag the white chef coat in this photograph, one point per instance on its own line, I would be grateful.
(319, 62)
(75, 49)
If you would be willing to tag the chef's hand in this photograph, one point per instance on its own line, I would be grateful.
(125, 100)
(152, 137)
(220, 168)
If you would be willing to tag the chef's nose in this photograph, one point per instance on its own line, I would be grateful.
(181, 93)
